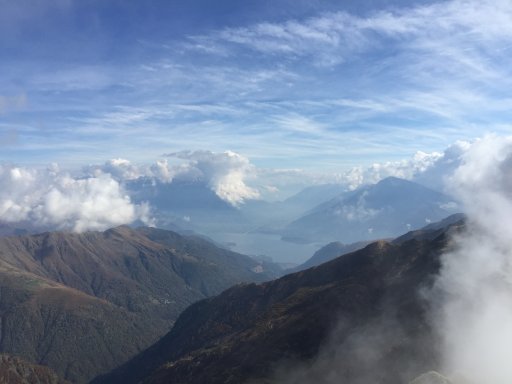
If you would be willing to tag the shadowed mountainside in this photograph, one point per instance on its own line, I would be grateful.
(17, 371)
(73, 333)
(329, 252)
(84, 303)
(249, 332)
(146, 270)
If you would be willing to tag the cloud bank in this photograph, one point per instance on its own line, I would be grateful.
(471, 301)
(475, 310)
(50, 198)
(235, 179)
(96, 199)
(225, 173)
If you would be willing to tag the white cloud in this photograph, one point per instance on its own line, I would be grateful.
(50, 198)
(119, 169)
(405, 169)
(474, 315)
(430, 169)
(331, 38)
(162, 171)
(235, 179)
(299, 124)
(225, 173)
(124, 170)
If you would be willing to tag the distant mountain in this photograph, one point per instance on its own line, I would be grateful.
(384, 210)
(316, 194)
(271, 216)
(188, 204)
(192, 204)
(22, 228)
(84, 303)
(336, 249)
(359, 318)
(14, 370)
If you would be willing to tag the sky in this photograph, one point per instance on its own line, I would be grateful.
(313, 85)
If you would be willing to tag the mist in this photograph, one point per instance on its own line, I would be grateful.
(468, 304)
(472, 298)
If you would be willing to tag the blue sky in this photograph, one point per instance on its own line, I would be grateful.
(316, 85)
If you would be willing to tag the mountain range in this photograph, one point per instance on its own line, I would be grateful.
(313, 217)
(84, 303)
(188, 204)
(384, 210)
(359, 318)
(329, 252)
(131, 305)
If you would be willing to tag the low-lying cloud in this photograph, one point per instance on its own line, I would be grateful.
(471, 298)
(429, 169)
(224, 173)
(96, 198)
(474, 314)
(235, 179)
(50, 198)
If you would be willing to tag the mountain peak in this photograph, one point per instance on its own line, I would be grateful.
(288, 320)
(387, 209)
(393, 180)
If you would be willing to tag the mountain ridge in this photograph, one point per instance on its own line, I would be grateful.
(240, 335)
(383, 210)
(118, 290)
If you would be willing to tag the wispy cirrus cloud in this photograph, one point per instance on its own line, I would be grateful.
(313, 91)
(334, 37)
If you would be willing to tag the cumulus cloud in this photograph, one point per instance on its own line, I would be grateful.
(430, 169)
(225, 173)
(124, 170)
(235, 179)
(50, 198)
(475, 310)
(471, 301)
(162, 171)
(119, 169)
(405, 169)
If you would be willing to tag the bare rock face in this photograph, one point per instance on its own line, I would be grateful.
(431, 377)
